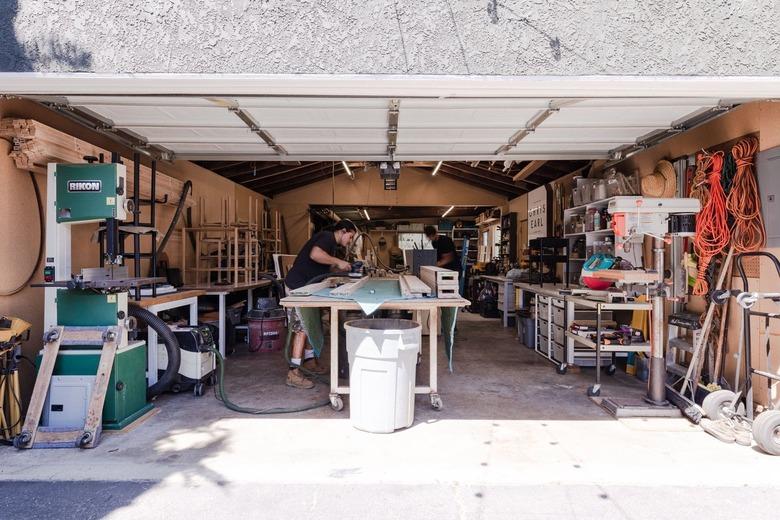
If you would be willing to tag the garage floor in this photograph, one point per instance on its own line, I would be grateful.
(515, 440)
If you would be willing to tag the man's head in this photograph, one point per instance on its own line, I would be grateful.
(345, 230)
(430, 232)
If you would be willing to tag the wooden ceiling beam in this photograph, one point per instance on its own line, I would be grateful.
(527, 170)
(320, 168)
(486, 176)
(283, 172)
(525, 184)
(481, 183)
(301, 183)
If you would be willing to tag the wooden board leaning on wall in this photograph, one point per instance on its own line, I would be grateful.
(35, 145)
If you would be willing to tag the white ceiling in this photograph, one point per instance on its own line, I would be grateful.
(356, 128)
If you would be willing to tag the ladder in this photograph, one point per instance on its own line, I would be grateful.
(35, 436)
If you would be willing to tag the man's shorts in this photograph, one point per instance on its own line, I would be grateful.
(293, 316)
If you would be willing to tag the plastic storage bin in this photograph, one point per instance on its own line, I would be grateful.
(382, 364)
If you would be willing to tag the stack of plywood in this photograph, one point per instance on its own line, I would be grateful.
(444, 282)
(35, 145)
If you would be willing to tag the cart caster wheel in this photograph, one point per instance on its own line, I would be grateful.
(176, 388)
(611, 369)
(212, 380)
(717, 402)
(198, 389)
(562, 368)
(336, 402)
(766, 431)
(594, 391)
(436, 402)
(85, 439)
(22, 440)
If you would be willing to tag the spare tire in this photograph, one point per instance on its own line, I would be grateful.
(171, 346)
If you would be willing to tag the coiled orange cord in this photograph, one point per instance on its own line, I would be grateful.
(712, 230)
(744, 202)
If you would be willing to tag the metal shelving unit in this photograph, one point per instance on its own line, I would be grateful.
(598, 346)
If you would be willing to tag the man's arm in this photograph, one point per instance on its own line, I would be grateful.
(445, 259)
(321, 257)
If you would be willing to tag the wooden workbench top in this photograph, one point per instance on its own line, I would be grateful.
(409, 303)
(166, 298)
(217, 289)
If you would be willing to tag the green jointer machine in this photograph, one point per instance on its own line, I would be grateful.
(90, 377)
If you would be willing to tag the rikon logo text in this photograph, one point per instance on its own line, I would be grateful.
(84, 186)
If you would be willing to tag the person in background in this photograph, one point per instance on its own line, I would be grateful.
(316, 258)
(446, 254)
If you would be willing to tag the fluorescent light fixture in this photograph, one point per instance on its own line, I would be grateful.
(346, 168)
(448, 211)
(436, 169)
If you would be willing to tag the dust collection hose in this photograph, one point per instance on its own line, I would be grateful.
(175, 220)
(171, 347)
(220, 389)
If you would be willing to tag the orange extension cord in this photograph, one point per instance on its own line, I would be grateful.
(712, 230)
(744, 203)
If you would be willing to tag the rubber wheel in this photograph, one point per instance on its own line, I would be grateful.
(198, 389)
(22, 440)
(85, 439)
(593, 391)
(766, 431)
(212, 379)
(562, 368)
(176, 388)
(716, 401)
(337, 403)
(611, 369)
(436, 403)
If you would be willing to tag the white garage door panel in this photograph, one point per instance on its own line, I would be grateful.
(578, 116)
(476, 103)
(444, 148)
(465, 118)
(286, 136)
(151, 101)
(349, 150)
(206, 148)
(313, 103)
(645, 102)
(587, 135)
(128, 115)
(310, 117)
(195, 134)
(531, 148)
(463, 135)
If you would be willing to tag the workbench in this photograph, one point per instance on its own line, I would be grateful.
(416, 305)
(222, 292)
(555, 309)
(184, 298)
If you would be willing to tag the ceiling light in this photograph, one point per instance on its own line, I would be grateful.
(448, 211)
(436, 169)
(346, 169)
(366, 212)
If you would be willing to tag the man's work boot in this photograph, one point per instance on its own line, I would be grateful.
(297, 380)
(313, 365)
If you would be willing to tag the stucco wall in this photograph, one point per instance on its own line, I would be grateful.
(509, 37)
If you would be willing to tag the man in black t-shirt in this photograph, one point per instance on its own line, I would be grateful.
(317, 257)
(446, 254)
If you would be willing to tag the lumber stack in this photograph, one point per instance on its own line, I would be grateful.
(34, 145)
(413, 287)
(444, 282)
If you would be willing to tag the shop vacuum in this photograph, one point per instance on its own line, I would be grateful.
(267, 324)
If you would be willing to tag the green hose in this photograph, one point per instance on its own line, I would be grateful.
(222, 396)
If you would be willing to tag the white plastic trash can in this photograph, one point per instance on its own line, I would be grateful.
(382, 366)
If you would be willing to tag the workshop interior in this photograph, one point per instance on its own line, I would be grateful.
(148, 241)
